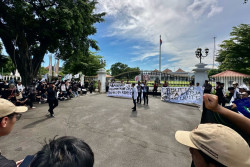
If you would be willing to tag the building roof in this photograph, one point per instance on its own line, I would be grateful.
(179, 70)
(229, 73)
(167, 70)
(155, 70)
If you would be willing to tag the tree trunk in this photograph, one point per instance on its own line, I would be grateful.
(27, 65)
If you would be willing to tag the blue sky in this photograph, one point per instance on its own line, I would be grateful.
(130, 33)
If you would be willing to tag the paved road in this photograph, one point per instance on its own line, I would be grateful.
(118, 137)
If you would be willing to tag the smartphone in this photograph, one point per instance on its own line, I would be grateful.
(27, 161)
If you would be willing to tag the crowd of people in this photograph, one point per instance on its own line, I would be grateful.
(211, 143)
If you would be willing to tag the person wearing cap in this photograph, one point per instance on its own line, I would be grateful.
(243, 88)
(215, 145)
(9, 114)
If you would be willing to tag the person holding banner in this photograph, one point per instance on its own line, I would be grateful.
(145, 93)
(134, 96)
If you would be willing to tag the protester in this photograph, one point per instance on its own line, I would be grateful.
(165, 84)
(61, 96)
(9, 114)
(207, 87)
(139, 88)
(240, 121)
(107, 86)
(65, 151)
(215, 145)
(134, 96)
(145, 93)
(20, 87)
(236, 88)
(220, 94)
(21, 101)
(155, 88)
(52, 100)
(91, 87)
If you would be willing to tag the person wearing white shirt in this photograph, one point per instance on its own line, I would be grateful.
(20, 87)
(134, 96)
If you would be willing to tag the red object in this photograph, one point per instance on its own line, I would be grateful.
(229, 73)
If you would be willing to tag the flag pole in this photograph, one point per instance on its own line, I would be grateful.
(160, 58)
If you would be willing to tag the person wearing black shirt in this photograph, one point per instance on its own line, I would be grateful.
(145, 93)
(52, 100)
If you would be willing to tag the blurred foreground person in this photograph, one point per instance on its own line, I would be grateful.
(9, 114)
(65, 151)
(215, 145)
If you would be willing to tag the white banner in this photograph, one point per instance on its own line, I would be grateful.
(1, 77)
(120, 90)
(184, 95)
(77, 76)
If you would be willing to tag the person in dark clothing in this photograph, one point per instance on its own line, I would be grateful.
(52, 100)
(64, 151)
(91, 86)
(145, 93)
(207, 87)
(155, 89)
(134, 96)
(139, 89)
(220, 94)
(61, 96)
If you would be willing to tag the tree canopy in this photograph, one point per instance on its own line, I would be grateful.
(87, 64)
(235, 52)
(119, 68)
(5, 63)
(30, 29)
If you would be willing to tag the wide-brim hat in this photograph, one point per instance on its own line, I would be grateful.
(7, 108)
(219, 142)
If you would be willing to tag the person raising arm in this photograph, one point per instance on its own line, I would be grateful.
(240, 121)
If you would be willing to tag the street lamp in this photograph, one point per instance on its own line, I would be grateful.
(199, 55)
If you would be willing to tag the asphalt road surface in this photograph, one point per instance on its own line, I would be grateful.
(117, 136)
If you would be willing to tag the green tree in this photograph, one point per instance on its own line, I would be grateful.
(43, 71)
(87, 64)
(234, 53)
(5, 63)
(108, 71)
(121, 70)
(30, 29)
(118, 68)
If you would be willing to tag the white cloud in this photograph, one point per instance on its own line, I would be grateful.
(204, 7)
(145, 20)
(145, 56)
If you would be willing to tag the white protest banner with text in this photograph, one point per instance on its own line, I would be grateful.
(184, 95)
(120, 90)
